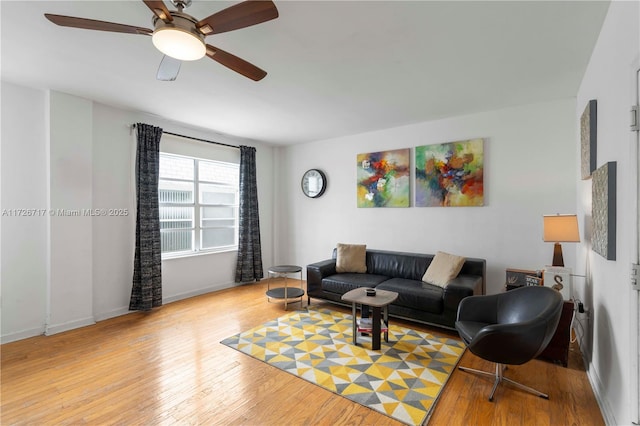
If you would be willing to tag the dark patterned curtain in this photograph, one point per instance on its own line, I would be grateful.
(249, 266)
(147, 273)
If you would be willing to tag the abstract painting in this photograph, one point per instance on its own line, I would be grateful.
(603, 211)
(450, 174)
(383, 179)
(588, 136)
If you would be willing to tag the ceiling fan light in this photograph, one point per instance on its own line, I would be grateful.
(179, 44)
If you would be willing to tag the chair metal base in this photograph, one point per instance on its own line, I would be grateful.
(499, 377)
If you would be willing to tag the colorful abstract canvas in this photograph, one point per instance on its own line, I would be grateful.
(450, 174)
(383, 179)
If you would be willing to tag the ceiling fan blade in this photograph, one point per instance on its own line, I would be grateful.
(236, 64)
(159, 9)
(241, 15)
(168, 69)
(91, 24)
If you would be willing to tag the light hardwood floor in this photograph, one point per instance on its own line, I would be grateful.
(168, 367)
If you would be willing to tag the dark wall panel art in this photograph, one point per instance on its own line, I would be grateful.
(588, 139)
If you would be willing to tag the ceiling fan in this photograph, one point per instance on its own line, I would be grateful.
(181, 36)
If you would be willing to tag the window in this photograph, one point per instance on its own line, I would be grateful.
(198, 205)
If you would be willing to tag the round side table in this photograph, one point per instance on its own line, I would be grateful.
(284, 293)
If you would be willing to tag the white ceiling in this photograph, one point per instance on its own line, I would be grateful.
(334, 67)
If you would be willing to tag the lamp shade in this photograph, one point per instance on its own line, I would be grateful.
(561, 228)
(179, 44)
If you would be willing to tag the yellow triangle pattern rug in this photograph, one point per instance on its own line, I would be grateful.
(402, 380)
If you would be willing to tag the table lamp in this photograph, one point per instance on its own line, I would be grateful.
(560, 228)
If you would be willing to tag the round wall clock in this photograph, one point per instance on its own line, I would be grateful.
(314, 183)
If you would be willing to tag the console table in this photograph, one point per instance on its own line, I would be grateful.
(558, 348)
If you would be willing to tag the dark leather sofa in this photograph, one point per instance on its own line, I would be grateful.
(402, 273)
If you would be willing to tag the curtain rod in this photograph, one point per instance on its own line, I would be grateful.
(198, 139)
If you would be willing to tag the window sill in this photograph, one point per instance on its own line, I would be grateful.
(198, 253)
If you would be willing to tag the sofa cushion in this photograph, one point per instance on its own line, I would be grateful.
(443, 268)
(397, 264)
(342, 283)
(351, 258)
(415, 294)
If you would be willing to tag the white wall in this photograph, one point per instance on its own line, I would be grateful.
(64, 152)
(23, 273)
(529, 171)
(113, 188)
(69, 296)
(609, 340)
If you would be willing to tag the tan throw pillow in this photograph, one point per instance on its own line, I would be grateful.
(443, 268)
(351, 258)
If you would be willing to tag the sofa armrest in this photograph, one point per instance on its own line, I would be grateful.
(317, 271)
(459, 288)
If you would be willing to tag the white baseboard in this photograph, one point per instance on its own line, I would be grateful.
(198, 292)
(598, 390)
(19, 335)
(125, 309)
(59, 328)
(113, 313)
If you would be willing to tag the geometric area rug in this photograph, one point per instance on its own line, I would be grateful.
(402, 380)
